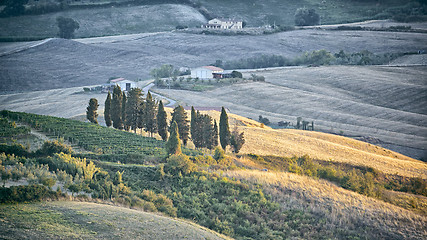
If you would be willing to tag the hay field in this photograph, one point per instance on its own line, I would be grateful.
(387, 103)
(341, 208)
(82, 220)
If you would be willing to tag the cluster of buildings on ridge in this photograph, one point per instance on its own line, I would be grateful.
(224, 23)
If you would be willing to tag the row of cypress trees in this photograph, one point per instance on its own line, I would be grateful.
(132, 112)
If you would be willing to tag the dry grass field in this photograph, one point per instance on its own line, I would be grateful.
(343, 208)
(81, 220)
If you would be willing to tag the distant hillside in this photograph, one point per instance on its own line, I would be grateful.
(80, 220)
(281, 12)
(67, 63)
(104, 21)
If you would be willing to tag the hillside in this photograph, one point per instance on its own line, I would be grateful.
(344, 209)
(258, 13)
(80, 220)
(68, 63)
(387, 103)
(105, 21)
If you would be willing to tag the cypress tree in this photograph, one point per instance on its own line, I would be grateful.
(107, 110)
(237, 140)
(150, 123)
(124, 102)
(224, 129)
(193, 122)
(133, 107)
(180, 117)
(116, 108)
(173, 145)
(91, 112)
(208, 132)
(162, 124)
(215, 134)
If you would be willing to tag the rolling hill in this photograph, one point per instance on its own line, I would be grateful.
(59, 63)
(387, 103)
(105, 21)
(83, 220)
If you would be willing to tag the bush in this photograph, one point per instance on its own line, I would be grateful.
(26, 193)
(14, 149)
(51, 147)
(306, 17)
(179, 164)
(219, 154)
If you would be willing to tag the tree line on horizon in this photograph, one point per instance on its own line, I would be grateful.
(131, 112)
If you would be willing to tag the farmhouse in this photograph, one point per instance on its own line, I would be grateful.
(206, 72)
(123, 83)
(224, 23)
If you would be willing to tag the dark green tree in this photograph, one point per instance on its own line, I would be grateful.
(173, 145)
(133, 108)
(66, 26)
(162, 122)
(215, 134)
(91, 111)
(150, 112)
(236, 74)
(13, 7)
(107, 110)
(180, 117)
(193, 122)
(224, 129)
(116, 108)
(306, 17)
(208, 132)
(237, 140)
(124, 102)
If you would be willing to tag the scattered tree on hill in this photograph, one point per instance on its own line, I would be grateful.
(66, 26)
(205, 132)
(116, 108)
(165, 71)
(237, 140)
(162, 124)
(263, 120)
(236, 74)
(173, 145)
(91, 112)
(124, 102)
(180, 117)
(150, 112)
(133, 108)
(224, 129)
(13, 7)
(107, 110)
(306, 17)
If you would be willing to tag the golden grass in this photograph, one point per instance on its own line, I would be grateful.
(341, 207)
(322, 146)
(330, 147)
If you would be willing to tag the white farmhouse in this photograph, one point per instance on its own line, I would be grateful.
(224, 23)
(124, 84)
(205, 72)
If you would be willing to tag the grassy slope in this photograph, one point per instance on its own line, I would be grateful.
(79, 220)
(105, 21)
(343, 208)
(323, 146)
(257, 13)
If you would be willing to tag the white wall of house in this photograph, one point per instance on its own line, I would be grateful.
(226, 23)
(126, 85)
(201, 73)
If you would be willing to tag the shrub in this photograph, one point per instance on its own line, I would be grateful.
(14, 149)
(26, 193)
(179, 163)
(219, 154)
(51, 147)
(306, 17)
